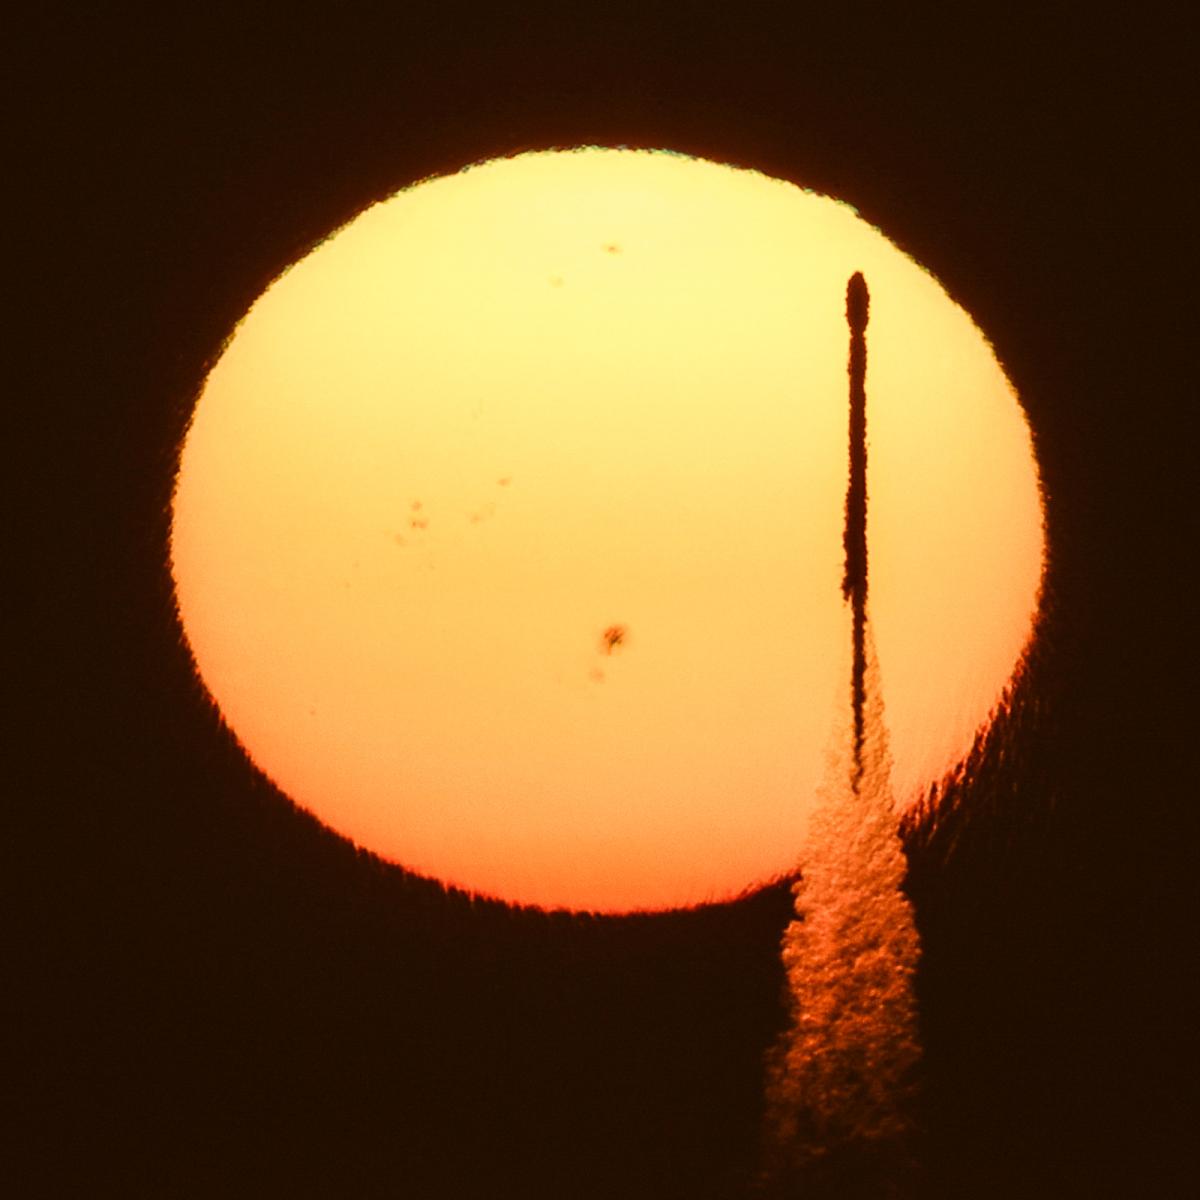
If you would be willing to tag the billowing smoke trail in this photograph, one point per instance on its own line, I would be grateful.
(840, 1081)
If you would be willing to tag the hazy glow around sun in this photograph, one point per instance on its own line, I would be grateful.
(507, 530)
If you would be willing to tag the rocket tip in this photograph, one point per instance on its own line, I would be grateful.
(858, 302)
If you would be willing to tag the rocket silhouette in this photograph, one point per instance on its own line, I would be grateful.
(854, 579)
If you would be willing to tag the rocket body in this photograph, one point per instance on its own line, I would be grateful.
(854, 581)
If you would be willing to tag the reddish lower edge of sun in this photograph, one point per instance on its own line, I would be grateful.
(507, 533)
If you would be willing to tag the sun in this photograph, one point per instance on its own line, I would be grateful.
(507, 530)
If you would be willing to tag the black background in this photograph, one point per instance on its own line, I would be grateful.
(216, 997)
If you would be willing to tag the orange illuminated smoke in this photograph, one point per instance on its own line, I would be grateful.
(507, 534)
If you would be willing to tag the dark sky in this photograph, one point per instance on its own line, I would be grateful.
(218, 998)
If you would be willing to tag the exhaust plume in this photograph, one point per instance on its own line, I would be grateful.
(841, 1079)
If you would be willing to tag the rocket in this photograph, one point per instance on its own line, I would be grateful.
(854, 582)
(854, 579)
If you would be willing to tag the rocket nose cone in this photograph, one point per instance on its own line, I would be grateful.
(858, 302)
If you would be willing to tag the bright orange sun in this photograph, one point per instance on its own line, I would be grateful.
(507, 533)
